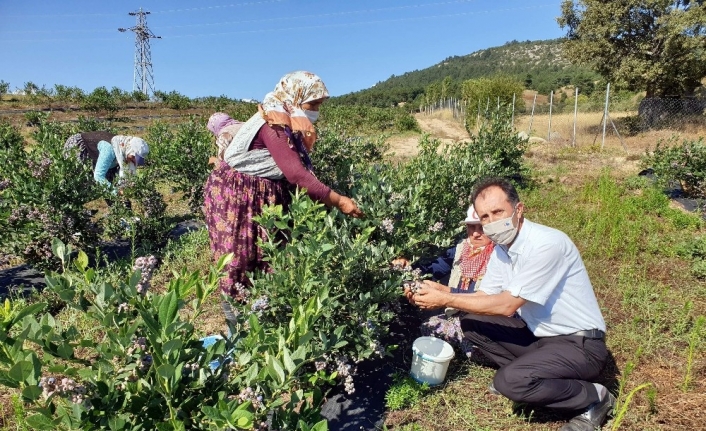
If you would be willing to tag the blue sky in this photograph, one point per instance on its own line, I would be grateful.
(241, 48)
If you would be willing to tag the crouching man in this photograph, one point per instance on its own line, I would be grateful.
(552, 349)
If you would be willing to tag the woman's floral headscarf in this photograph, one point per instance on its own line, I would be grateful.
(282, 106)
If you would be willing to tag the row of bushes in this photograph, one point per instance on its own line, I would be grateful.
(325, 306)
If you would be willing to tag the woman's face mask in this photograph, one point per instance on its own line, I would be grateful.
(311, 115)
(502, 231)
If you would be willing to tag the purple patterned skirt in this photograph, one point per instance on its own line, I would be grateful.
(231, 200)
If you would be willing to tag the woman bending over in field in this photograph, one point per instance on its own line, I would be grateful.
(110, 154)
(224, 129)
(263, 162)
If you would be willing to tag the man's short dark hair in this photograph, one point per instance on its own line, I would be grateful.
(505, 185)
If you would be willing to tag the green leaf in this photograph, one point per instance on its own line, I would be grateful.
(244, 422)
(168, 308)
(320, 426)
(40, 422)
(31, 393)
(244, 358)
(81, 262)
(59, 249)
(275, 369)
(117, 423)
(21, 371)
(166, 371)
(65, 350)
(172, 345)
(30, 309)
(5, 380)
(287, 359)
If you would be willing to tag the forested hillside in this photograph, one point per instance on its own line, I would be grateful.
(538, 64)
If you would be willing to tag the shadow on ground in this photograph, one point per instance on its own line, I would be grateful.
(24, 279)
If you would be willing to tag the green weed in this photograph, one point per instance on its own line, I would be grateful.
(695, 340)
(404, 392)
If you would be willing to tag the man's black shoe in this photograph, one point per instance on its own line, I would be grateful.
(593, 417)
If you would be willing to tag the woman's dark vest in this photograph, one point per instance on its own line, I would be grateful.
(90, 146)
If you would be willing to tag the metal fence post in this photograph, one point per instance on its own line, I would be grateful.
(551, 102)
(512, 120)
(605, 113)
(576, 107)
(534, 102)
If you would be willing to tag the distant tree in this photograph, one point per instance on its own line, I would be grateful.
(30, 88)
(101, 100)
(4, 87)
(485, 93)
(138, 96)
(657, 46)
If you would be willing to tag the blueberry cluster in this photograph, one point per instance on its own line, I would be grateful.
(388, 225)
(248, 394)
(39, 170)
(146, 265)
(65, 387)
(346, 370)
(436, 227)
(260, 305)
(395, 197)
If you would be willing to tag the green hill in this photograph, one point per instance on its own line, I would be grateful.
(538, 64)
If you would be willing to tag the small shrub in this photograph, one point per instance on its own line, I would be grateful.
(42, 197)
(404, 392)
(138, 213)
(35, 118)
(179, 155)
(101, 100)
(637, 182)
(698, 269)
(684, 164)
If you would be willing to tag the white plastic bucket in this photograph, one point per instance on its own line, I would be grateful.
(430, 360)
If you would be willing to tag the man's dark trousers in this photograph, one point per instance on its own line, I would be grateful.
(554, 372)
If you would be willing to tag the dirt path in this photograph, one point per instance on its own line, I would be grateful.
(440, 126)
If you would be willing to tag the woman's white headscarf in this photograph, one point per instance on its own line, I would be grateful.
(125, 146)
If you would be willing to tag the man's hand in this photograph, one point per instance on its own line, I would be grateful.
(409, 295)
(438, 286)
(429, 298)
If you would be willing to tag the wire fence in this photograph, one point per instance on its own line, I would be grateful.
(574, 119)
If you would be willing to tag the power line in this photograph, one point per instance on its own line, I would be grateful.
(279, 18)
(323, 15)
(219, 7)
(279, 29)
(360, 22)
(162, 11)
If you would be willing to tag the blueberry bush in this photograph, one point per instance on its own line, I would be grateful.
(326, 303)
(682, 164)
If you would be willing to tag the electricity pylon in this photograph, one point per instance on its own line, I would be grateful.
(143, 79)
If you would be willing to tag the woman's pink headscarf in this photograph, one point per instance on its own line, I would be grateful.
(218, 121)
